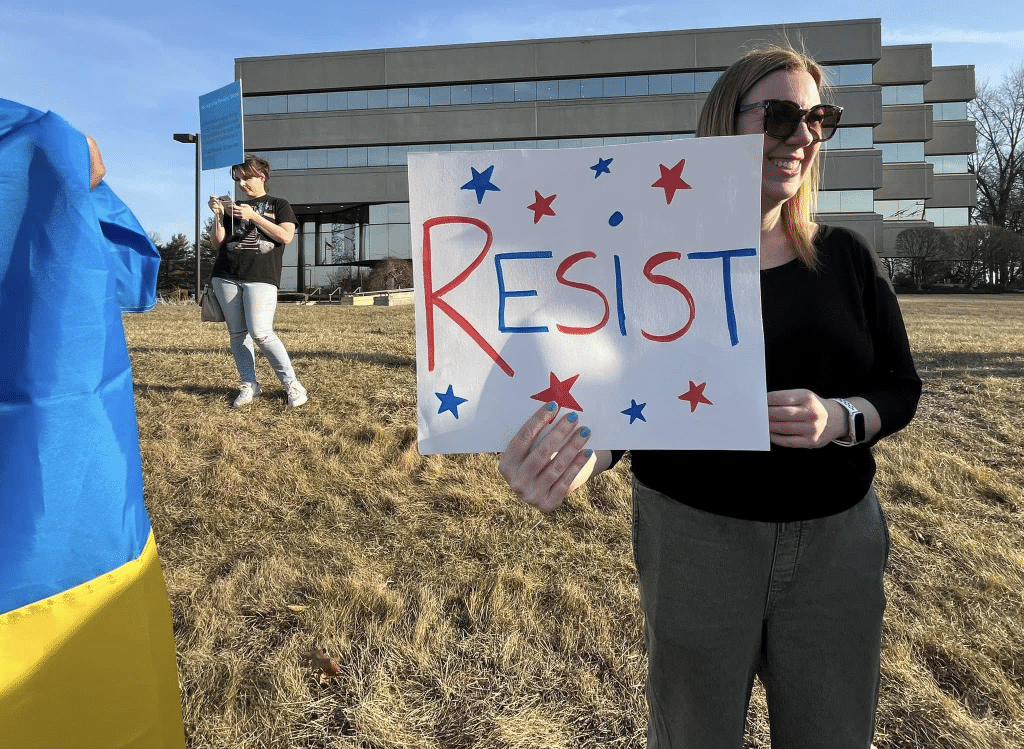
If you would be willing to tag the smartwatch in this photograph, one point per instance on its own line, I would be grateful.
(855, 430)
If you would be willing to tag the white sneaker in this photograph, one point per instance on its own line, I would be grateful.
(296, 394)
(246, 393)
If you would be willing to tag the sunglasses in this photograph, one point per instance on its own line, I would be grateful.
(782, 118)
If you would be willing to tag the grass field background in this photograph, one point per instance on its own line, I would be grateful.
(456, 617)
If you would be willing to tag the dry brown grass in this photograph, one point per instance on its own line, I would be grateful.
(459, 618)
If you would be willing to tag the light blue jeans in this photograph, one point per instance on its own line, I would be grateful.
(249, 313)
(798, 604)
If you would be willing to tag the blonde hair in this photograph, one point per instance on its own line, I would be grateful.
(719, 118)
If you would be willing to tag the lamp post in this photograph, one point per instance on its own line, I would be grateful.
(194, 138)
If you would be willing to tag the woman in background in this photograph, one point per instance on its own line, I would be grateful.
(250, 236)
(773, 565)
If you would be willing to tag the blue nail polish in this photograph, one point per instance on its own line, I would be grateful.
(552, 406)
(585, 432)
(572, 417)
(589, 453)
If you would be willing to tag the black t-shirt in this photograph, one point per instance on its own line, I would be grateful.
(837, 331)
(247, 254)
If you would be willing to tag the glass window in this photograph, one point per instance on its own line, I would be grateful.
(828, 201)
(254, 105)
(948, 216)
(398, 155)
(569, 89)
(526, 91)
(440, 95)
(378, 213)
(377, 156)
(481, 146)
(704, 81)
(615, 86)
(570, 143)
(297, 103)
(504, 92)
(614, 140)
(483, 93)
(317, 158)
(278, 159)
(898, 153)
(337, 101)
(398, 213)
(398, 97)
(950, 110)
(637, 85)
(949, 164)
(547, 90)
(377, 98)
(357, 99)
(907, 152)
(462, 94)
(440, 147)
(900, 210)
(277, 104)
(337, 157)
(659, 84)
(419, 97)
(316, 102)
(903, 94)
(857, 201)
(549, 143)
(592, 88)
(587, 142)
(376, 241)
(857, 137)
(683, 83)
(848, 75)
(856, 75)
(357, 156)
(525, 144)
(399, 240)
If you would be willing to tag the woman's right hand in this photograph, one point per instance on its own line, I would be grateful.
(541, 469)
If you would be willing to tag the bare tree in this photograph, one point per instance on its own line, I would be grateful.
(924, 256)
(998, 112)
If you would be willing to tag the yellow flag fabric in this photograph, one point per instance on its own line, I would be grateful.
(93, 666)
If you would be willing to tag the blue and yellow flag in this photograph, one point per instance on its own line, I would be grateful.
(86, 645)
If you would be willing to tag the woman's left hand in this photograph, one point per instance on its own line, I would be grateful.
(799, 418)
(243, 211)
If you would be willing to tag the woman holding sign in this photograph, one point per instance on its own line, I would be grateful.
(767, 563)
(251, 236)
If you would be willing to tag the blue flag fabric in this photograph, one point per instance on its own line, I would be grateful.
(86, 644)
(71, 259)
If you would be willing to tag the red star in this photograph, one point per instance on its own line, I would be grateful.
(671, 180)
(541, 206)
(695, 395)
(558, 392)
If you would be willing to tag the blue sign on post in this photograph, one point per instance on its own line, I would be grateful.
(220, 127)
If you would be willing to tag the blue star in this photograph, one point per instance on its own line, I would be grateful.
(450, 402)
(635, 411)
(601, 167)
(481, 182)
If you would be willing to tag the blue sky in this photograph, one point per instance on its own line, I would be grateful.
(130, 73)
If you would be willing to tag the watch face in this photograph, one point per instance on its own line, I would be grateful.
(858, 427)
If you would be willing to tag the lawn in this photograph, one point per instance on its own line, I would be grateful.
(449, 615)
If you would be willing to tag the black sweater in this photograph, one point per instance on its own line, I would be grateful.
(837, 331)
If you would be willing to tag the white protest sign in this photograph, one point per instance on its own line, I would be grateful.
(621, 282)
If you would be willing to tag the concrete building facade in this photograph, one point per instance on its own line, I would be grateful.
(337, 127)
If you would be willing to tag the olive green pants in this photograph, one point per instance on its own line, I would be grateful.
(797, 604)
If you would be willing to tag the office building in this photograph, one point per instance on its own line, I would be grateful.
(337, 126)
